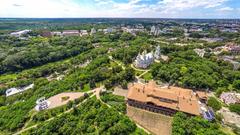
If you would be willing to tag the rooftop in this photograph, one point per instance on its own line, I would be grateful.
(175, 98)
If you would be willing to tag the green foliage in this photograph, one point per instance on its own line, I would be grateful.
(120, 78)
(236, 129)
(236, 85)
(12, 117)
(38, 51)
(186, 69)
(214, 103)
(117, 102)
(235, 108)
(92, 117)
(185, 125)
(126, 37)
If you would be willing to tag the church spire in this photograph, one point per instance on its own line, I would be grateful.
(157, 54)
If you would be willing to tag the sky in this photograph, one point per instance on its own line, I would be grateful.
(120, 8)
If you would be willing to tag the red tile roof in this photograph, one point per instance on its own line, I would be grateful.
(175, 98)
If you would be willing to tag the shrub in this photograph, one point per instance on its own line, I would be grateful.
(214, 103)
(235, 108)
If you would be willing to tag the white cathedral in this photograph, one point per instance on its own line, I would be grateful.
(145, 59)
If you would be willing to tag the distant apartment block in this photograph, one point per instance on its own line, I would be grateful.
(56, 33)
(93, 31)
(70, 33)
(83, 32)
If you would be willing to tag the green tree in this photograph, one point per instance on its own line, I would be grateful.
(235, 108)
(214, 103)
(236, 84)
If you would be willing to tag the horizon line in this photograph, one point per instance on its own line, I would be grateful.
(180, 18)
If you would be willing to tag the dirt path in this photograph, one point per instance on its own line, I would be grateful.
(137, 69)
(119, 64)
(158, 41)
(26, 124)
(143, 74)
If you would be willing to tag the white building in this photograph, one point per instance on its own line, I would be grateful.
(132, 30)
(157, 53)
(19, 33)
(13, 91)
(42, 104)
(70, 33)
(230, 59)
(83, 32)
(155, 31)
(200, 52)
(109, 30)
(145, 59)
(100, 30)
(56, 33)
(153, 28)
(93, 31)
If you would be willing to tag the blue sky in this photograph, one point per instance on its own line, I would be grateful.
(121, 8)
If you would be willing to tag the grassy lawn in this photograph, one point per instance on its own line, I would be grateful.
(137, 73)
(7, 78)
(139, 131)
(227, 130)
(147, 76)
(86, 88)
(117, 102)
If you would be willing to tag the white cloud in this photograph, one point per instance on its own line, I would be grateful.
(176, 5)
(163, 8)
(106, 8)
(225, 9)
(42, 8)
(104, 2)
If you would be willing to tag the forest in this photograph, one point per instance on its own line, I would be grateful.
(17, 55)
(186, 69)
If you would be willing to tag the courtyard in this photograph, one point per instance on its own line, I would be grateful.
(63, 98)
